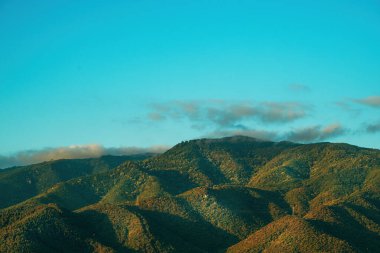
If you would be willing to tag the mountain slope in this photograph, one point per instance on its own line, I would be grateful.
(211, 195)
(291, 234)
(20, 183)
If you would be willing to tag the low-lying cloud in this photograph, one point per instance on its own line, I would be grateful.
(372, 101)
(303, 135)
(373, 128)
(224, 114)
(72, 152)
(315, 133)
(258, 134)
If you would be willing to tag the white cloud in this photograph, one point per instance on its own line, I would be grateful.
(72, 152)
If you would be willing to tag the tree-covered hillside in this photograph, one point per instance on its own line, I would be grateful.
(235, 194)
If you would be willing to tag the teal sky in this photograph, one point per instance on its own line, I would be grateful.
(146, 73)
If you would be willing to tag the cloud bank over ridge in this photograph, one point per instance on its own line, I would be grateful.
(72, 152)
(303, 135)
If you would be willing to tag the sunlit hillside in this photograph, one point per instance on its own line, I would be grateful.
(235, 194)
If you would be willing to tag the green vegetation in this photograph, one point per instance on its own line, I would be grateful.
(20, 183)
(234, 194)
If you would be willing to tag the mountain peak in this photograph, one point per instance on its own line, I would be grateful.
(236, 193)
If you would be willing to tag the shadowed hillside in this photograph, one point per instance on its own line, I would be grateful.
(234, 194)
(20, 183)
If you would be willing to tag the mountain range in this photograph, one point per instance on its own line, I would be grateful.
(234, 194)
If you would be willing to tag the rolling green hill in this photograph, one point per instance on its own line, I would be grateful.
(234, 194)
(20, 183)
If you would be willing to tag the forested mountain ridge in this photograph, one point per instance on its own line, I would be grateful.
(235, 194)
(22, 182)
